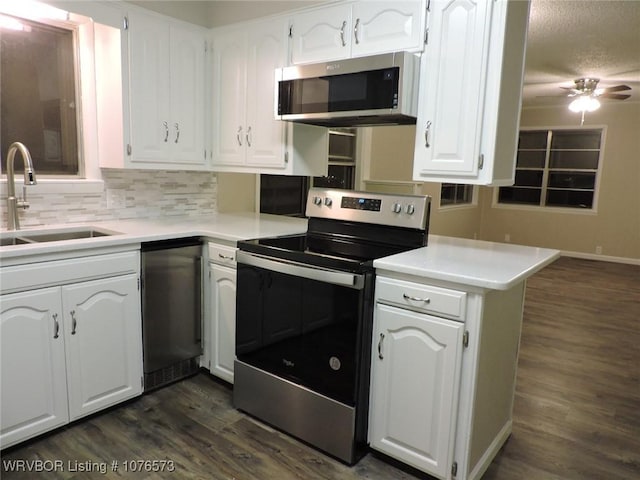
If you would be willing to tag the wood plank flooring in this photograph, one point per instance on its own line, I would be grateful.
(576, 413)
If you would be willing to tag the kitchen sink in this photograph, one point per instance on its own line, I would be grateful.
(25, 237)
(6, 241)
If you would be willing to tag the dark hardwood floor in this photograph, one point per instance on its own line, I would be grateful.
(576, 414)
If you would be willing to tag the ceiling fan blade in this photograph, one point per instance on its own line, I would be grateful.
(617, 88)
(615, 96)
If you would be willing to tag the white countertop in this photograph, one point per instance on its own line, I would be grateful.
(226, 227)
(496, 266)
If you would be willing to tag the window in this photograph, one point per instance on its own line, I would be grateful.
(342, 160)
(556, 168)
(38, 94)
(455, 194)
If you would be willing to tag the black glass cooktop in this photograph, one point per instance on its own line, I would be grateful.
(338, 245)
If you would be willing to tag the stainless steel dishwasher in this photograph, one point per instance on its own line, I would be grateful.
(171, 310)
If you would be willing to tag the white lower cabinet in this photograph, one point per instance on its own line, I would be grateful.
(103, 343)
(68, 350)
(443, 371)
(414, 387)
(34, 379)
(222, 311)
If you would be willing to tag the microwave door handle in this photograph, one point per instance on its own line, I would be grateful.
(346, 279)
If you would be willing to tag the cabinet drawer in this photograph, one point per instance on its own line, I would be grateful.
(222, 254)
(424, 298)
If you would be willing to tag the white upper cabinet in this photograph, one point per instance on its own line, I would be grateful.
(383, 26)
(357, 29)
(470, 91)
(166, 72)
(246, 135)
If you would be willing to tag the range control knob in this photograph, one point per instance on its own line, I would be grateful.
(328, 201)
(410, 209)
(397, 208)
(317, 201)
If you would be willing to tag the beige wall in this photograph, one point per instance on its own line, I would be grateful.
(390, 158)
(197, 12)
(616, 225)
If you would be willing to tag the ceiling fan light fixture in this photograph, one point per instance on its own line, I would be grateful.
(584, 104)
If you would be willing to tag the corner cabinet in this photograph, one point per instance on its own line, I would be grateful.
(246, 135)
(71, 341)
(166, 93)
(443, 372)
(470, 92)
(357, 29)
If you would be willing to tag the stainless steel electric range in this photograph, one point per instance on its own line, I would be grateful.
(305, 312)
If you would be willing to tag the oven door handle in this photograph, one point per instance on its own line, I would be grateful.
(352, 280)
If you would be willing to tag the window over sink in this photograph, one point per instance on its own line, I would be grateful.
(39, 98)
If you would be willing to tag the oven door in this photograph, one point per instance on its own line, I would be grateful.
(303, 324)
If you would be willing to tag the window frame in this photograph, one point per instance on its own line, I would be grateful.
(89, 179)
(473, 203)
(546, 170)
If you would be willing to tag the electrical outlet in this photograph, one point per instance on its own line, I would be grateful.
(598, 250)
(507, 237)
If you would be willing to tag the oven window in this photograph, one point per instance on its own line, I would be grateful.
(302, 330)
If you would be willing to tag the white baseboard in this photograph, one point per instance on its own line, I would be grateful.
(602, 258)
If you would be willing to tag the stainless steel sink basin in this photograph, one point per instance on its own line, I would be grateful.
(25, 237)
(6, 241)
(68, 235)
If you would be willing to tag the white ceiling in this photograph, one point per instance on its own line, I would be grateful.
(570, 39)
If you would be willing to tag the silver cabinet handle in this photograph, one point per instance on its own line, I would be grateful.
(56, 326)
(416, 299)
(355, 31)
(344, 25)
(177, 132)
(427, 132)
(248, 136)
(166, 131)
(74, 322)
(239, 136)
(225, 257)
(380, 346)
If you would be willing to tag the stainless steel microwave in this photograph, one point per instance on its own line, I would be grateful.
(380, 89)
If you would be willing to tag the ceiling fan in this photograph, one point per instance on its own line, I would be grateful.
(588, 87)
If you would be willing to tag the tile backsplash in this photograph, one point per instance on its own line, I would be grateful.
(127, 194)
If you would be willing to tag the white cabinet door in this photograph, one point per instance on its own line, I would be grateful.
(222, 308)
(265, 134)
(103, 336)
(470, 90)
(412, 415)
(34, 383)
(167, 93)
(149, 46)
(229, 98)
(187, 96)
(383, 26)
(322, 34)
(451, 89)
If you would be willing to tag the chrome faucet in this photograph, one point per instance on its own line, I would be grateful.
(13, 223)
